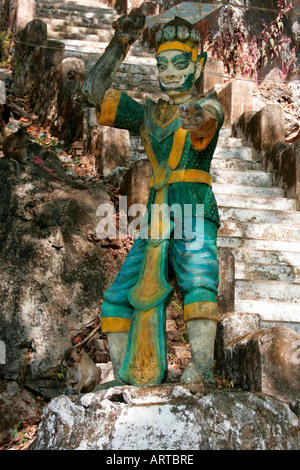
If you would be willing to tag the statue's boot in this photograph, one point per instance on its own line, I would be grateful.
(117, 343)
(202, 333)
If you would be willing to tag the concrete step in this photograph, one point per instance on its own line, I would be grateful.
(267, 265)
(242, 177)
(90, 51)
(279, 312)
(225, 132)
(218, 163)
(235, 164)
(135, 61)
(268, 291)
(270, 258)
(91, 35)
(57, 9)
(258, 245)
(241, 153)
(272, 300)
(245, 190)
(143, 66)
(134, 76)
(84, 47)
(138, 90)
(253, 202)
(266, 272)
(59, 19)
(95, 3)
(231, 142)
(276, 232)
(259, 216)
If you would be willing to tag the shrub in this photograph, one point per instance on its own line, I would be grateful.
(245, 56)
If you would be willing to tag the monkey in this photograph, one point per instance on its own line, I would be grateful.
(14, 147)
(77, 78)
(82, 372)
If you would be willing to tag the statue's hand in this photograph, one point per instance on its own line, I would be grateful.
(192, 116)
(129, 27)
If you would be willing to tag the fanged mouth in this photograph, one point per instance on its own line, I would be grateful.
(173, 85)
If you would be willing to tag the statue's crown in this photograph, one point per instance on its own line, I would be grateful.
(178, 30)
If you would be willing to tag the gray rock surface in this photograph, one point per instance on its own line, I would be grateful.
(53, 272)
(266, 361)
(16, 405)
(168, 417)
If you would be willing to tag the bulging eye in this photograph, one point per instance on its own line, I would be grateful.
(161, 67)
(181, 64)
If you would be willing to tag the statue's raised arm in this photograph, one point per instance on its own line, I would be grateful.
(99, 79)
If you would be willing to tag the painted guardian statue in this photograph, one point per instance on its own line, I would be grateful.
(179, 135)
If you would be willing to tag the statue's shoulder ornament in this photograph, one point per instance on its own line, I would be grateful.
(161, 119)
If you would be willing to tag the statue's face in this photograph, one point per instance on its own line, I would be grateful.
(177, 74)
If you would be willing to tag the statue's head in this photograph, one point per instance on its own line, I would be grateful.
(179, 65)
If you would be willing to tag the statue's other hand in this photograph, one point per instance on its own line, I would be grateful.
(192, 116)
(128, 27)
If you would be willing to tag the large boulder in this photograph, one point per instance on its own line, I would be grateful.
(50, 81)
(135, 184)
(16, 405)
(232, 326)
(267, 360)
(167, 417)
(53, 268)
(28, 58)
(262, 129)
(112, 150)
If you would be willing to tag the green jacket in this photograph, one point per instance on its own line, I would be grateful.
(160, 121)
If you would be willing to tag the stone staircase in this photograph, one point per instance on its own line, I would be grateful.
(259, 225)
(262, 229)
(86, 28)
